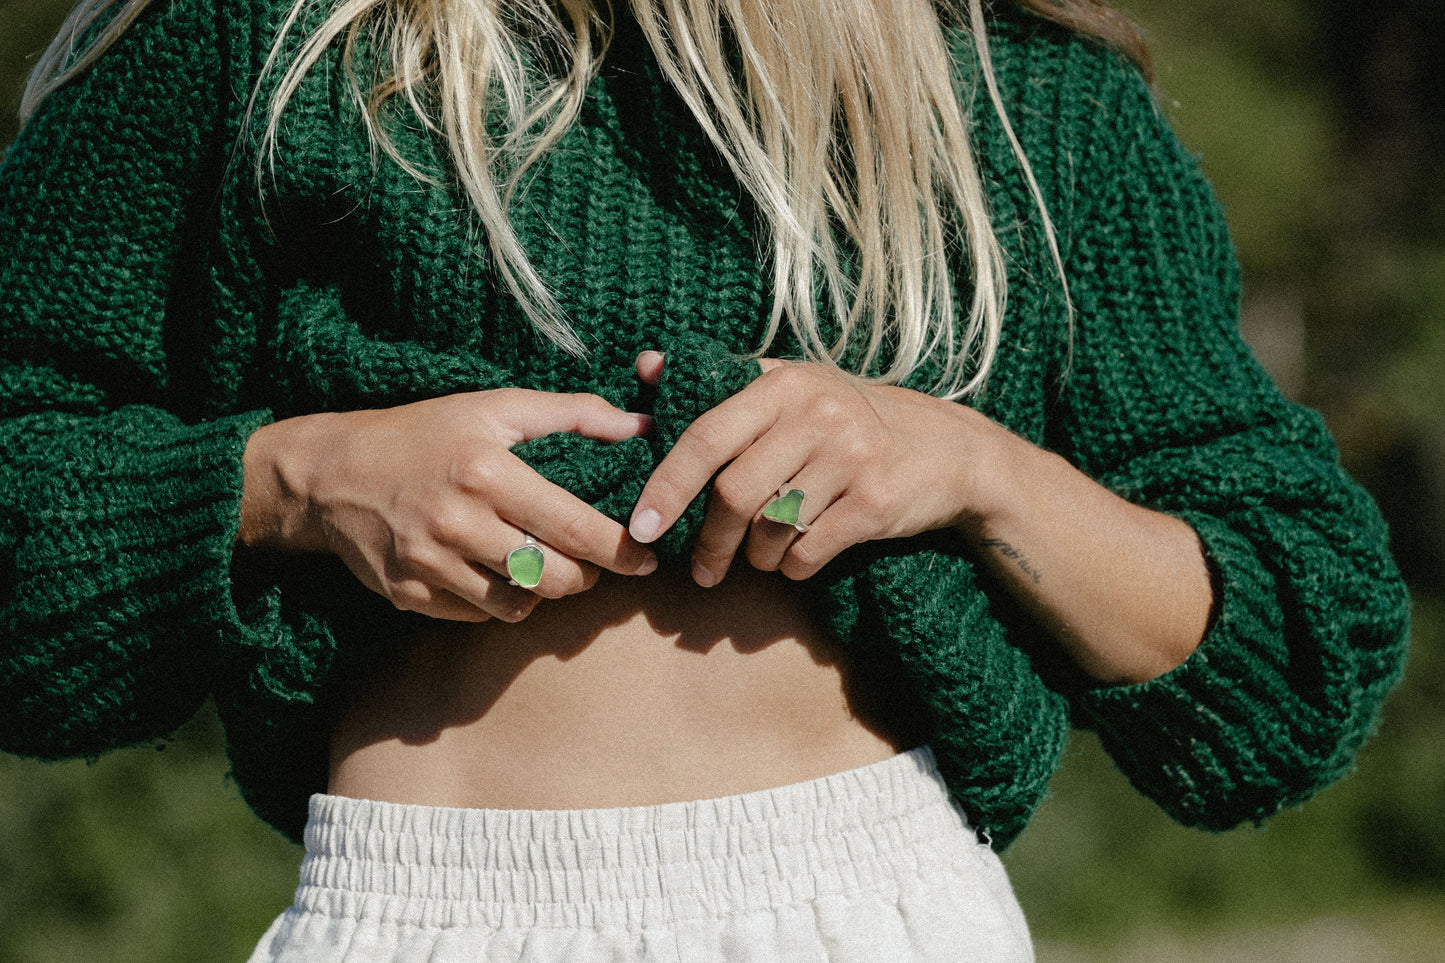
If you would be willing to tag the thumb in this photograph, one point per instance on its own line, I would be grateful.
(538, 413)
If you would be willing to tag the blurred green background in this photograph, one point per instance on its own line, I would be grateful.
(1322, 127)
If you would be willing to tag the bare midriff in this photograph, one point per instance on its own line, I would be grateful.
(638, 692)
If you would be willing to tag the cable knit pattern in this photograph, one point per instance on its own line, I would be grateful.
(157, 307)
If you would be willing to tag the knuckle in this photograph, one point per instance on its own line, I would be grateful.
(515, 610)
(476, 473)
(793, 570)
(577, 578)
(667, 491)
(593, 402)
(803, 561)
(409, 595)
(760, 557)
(809, 375)
(705, 433)
(710, 555)
(854, 447)
(802, 555)
(867, 503)
(786, 374)
(575, 530)
(549, 589)
(732, 493)
(554, 587)
(828, 409)
(447, 529)
(412, 555)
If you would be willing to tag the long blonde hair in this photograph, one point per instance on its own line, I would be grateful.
(842, 118)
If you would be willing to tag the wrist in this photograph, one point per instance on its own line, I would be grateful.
(275, 503)
(999, 466)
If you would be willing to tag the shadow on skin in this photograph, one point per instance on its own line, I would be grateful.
(454, 674)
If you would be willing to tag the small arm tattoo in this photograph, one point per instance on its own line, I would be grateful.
(1016, 556)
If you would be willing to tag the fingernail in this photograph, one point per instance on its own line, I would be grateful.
(648, 566)
(644, 424)
(645, 524)
(703, 575)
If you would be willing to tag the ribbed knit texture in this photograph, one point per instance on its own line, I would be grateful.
(155, 312)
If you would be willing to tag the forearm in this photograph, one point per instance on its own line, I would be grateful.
(1125, 590)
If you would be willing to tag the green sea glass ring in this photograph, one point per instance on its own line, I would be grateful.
(524, 564)
(787, 509)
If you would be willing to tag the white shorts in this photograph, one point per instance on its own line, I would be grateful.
(871, 865)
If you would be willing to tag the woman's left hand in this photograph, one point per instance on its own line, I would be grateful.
(875, 461)
(1125, 590)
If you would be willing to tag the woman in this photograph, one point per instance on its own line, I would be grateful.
(252, 421)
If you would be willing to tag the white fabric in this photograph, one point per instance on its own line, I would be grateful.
(871, 865)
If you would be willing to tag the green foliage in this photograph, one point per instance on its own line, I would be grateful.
(1399, 826)
(1100, 862)
(1250, 89)
(144, 855)
(1416, 385)
(26, 26)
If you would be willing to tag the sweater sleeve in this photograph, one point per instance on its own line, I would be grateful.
(1164, 404)
(117, 514)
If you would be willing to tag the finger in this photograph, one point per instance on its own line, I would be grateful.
(769, 539)
(470, 557)
(738, 494)
(842, 524)
(531, 505)
(441, 604)
(465, 558)
(531, 414)
(709, 443)
(455, 609)
(475, 596)
(649, 367)
(581, 533)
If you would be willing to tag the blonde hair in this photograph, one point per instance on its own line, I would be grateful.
(65, 58)
(841, 118)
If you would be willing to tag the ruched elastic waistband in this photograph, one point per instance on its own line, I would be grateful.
(635, 866)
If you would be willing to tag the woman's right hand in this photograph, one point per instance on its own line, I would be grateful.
(424, 501)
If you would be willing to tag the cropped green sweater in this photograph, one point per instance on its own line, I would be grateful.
(157, 306)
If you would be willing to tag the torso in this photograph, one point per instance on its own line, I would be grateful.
(637, 692)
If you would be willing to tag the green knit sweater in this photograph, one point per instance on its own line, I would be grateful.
(157, 307)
